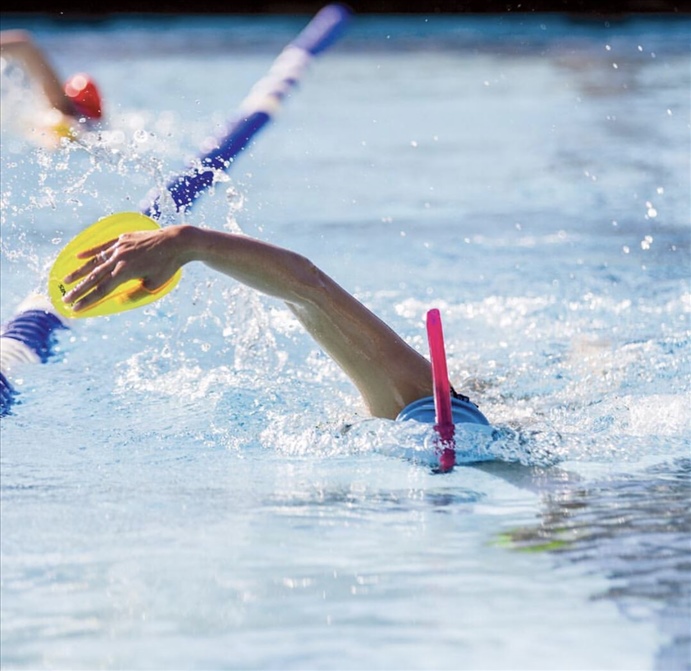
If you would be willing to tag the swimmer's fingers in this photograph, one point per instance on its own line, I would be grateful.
(97, 284)
(142, 255)
(93, 251)
(84, 270)
(96, 255)
(99, 276)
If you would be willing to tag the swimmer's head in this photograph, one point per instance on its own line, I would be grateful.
(462, 411)
(83, 93)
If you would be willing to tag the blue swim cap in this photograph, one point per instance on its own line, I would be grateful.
(463, 411)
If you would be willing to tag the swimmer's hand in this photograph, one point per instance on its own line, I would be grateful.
(150, 256)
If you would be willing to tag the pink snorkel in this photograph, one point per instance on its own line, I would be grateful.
(442, 393)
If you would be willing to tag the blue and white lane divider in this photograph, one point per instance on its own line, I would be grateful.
(256, 110)
(29, 336)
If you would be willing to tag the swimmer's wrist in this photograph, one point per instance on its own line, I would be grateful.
(192, 243)
(184, 243)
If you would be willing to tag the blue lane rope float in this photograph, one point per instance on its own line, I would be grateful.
(256, 110)
(28, 337)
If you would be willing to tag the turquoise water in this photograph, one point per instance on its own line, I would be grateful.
(194, 485)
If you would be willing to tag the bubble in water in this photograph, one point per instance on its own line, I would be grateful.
(651, 212)
(236, 200)
(140, 136)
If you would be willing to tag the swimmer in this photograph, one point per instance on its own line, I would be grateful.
(395, 380)
(73, 103)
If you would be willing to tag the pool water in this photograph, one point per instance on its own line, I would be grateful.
(195, 485)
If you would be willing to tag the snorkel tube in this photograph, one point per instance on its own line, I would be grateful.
(444, 426)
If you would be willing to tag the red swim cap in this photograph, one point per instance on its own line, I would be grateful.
(82, 91)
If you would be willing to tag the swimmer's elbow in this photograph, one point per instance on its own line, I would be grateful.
(312, 282)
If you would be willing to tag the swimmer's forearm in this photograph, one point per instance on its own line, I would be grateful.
(18, 44)
(155, 256)
(272, 270)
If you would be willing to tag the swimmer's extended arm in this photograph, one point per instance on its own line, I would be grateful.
(17, 44)
(386, 370)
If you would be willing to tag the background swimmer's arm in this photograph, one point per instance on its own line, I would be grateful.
(17, 44)
(386, 370)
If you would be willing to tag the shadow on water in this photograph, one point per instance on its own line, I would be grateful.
(634, 528)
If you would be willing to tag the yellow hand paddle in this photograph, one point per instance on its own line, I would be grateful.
(130, 294)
